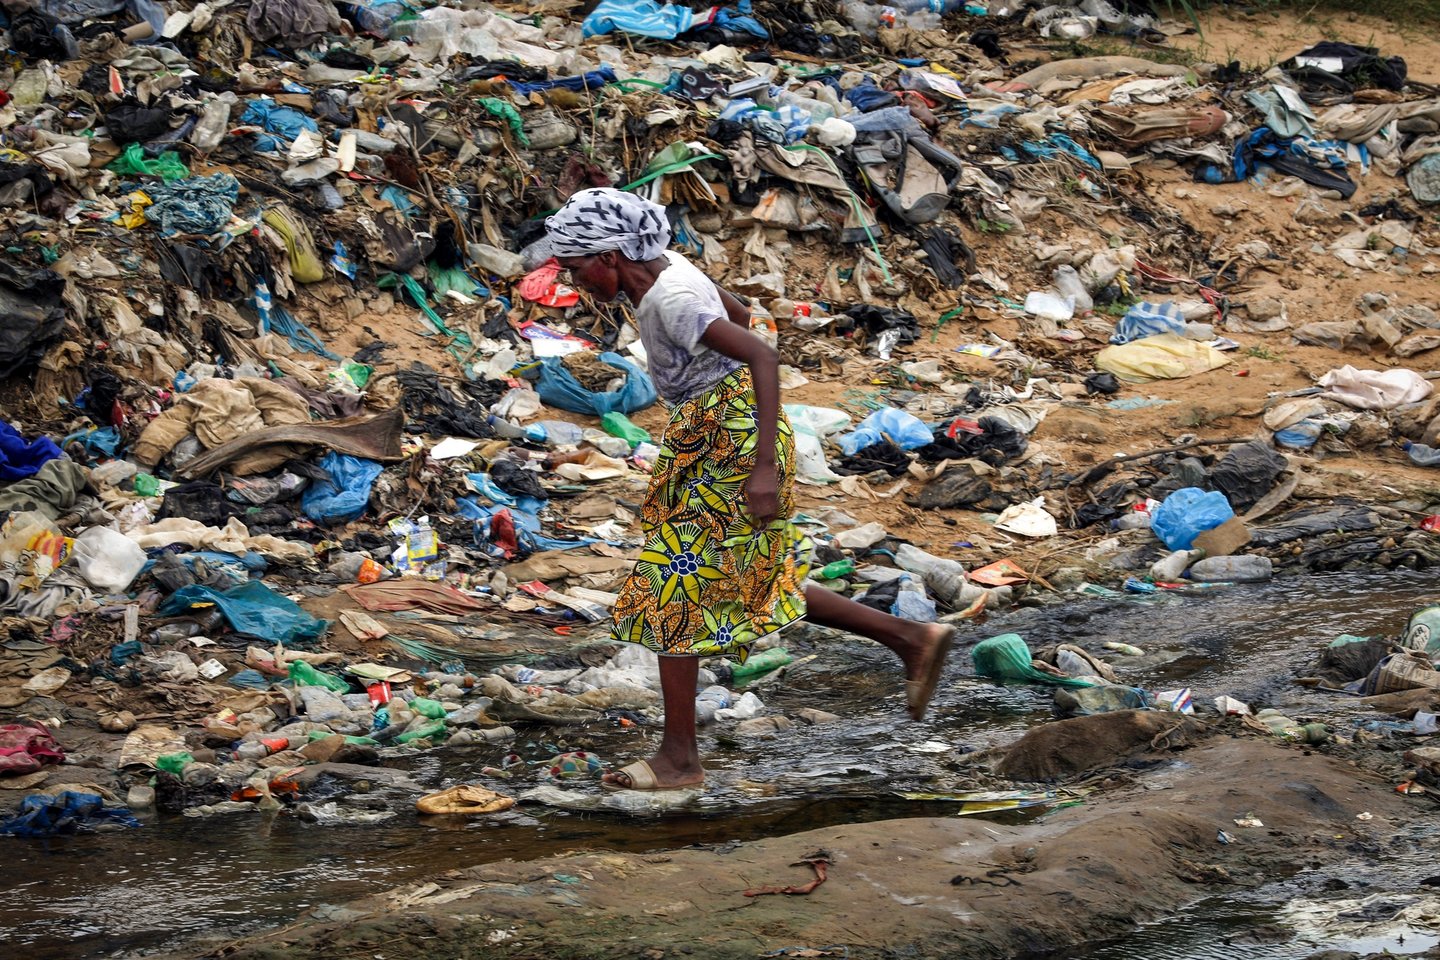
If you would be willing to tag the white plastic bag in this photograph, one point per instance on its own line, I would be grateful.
(107, 559)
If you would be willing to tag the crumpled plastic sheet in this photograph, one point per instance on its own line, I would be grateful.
(67, 812)
(643, 18)
(252, 609)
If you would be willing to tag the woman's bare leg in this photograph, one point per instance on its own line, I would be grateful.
(912, 642)
(677, 762)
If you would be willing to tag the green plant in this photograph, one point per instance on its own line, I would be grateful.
(1263, 353)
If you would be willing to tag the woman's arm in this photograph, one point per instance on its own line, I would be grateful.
(763, 490)
(738, 313)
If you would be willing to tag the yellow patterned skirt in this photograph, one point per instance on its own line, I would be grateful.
(708, 583)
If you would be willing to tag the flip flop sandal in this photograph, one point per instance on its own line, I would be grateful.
(643, 778)
(918, 693)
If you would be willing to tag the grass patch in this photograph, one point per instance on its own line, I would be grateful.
(1264, 353)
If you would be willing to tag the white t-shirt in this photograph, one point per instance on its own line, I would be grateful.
(673, 315)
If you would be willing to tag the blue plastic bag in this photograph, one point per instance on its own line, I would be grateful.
(284, 122)
(1187, 513)
(559, 389)
(348, 493)
(251, 608)
(906, 431)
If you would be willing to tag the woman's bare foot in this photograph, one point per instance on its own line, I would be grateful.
(660, 772)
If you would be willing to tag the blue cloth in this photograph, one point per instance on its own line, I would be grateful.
(19, 459)
(252, 609)
(69, 811)
(285, 123)
(1148, 320)
(867, 96)
(347, 495)
(593, 80)
(644, 18)
(195, 205)
(738, 19)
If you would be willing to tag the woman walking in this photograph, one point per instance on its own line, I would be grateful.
(722, 564)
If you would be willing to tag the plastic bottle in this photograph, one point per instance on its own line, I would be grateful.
(710, 700)
(1068, 283)
(618, 425)
(945, 577)
(912, 602)
(427, 708)
(762, 662)
(302, 674)
(1422, 455)
(836, 570)
(558, 433)
(1242, 569)
(429, 731)
(1175, 565)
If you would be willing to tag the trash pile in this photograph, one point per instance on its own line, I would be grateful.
(311, 449)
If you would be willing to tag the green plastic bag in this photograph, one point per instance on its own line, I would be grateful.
(1007, 657)
(433, 731)
(173, 762)
(168, 166)
(617, 424)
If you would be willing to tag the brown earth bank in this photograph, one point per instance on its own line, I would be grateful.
(1137, 849)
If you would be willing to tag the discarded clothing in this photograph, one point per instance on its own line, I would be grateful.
(20, 458)
(296, 23)
(200, 205)
(411, 594)
(51, 491)
(374, 438)
(1361, 66)
(285, 123)
(1375, 389)
(25, 748)
(1147, 319)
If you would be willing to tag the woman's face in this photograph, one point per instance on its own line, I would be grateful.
(597, 274)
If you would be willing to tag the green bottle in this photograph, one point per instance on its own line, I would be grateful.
(432, 731)
(427, 708)
(618, 425)
(836, 570)
(762, 662)
(302, 674)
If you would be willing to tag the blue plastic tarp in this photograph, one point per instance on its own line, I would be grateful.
(346, 496)
(253, 609)
(643, 18)
(20, 459)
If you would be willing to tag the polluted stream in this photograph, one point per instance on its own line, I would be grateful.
(181, 879)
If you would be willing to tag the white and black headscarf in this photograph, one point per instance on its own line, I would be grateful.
(599, 219)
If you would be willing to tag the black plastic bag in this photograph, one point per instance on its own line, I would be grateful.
(1247, 473)
(32, 315)
(134, 123)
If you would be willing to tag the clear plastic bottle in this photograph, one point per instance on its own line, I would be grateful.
(557, 433)
(1241, 569)
(1175, 565)
(709, 702)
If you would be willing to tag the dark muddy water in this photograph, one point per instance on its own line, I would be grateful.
(178, 879)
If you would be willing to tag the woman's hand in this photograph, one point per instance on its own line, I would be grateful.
(762, 492)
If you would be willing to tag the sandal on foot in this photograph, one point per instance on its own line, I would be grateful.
(642, 777)
(918, 693)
